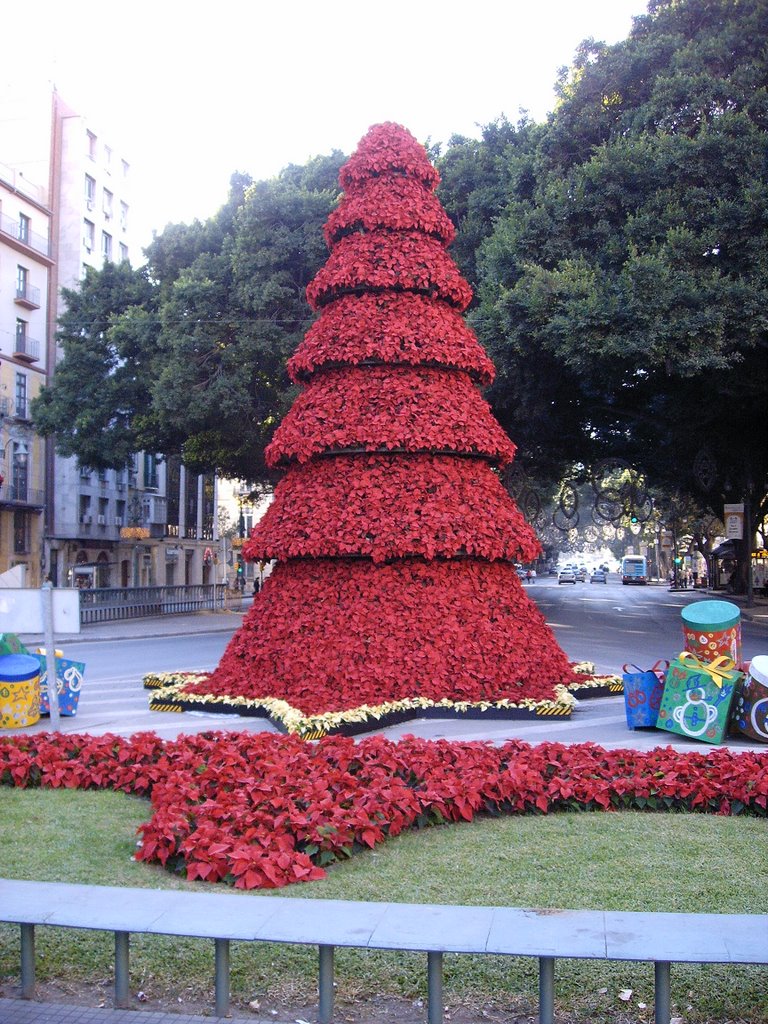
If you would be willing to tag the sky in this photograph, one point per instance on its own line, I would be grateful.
(191, 92)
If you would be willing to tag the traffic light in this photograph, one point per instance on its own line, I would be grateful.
(240, 567)
(678, 560)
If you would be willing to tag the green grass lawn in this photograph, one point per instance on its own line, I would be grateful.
(625, 861)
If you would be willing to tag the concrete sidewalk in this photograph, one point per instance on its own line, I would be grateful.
(157, 626)
(26, 1011)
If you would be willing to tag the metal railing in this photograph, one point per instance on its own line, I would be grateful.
(9, 226)
(110, 604)
(26, 346)
(19, 494)
(28, 293)
(434, 929)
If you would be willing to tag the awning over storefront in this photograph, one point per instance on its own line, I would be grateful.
(725, 550)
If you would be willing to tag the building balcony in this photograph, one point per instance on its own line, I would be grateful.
(28, 349)
(12, 229)
(14, 495)
(28, 297)
(21, 410)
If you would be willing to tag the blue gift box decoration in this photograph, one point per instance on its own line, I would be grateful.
(69, 680)
(642, 694)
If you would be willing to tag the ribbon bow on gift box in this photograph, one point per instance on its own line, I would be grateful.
(718, 670)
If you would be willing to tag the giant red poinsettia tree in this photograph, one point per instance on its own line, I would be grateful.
(394, 538)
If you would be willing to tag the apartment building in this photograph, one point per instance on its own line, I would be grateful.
(25, 265)
(151, 523)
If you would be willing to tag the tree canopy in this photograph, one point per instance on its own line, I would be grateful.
(623, 298)
(97, 407)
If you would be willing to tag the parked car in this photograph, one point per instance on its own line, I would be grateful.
(598, 576)
(566, 576)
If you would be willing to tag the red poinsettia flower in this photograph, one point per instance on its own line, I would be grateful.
(328, 634)
(263, 811)
(386, 507)
(401, 260)
(388, 150)
(393, 535)
(394, 328)
(394, 204)
(389, 409)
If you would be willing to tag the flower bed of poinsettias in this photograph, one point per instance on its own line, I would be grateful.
(263, 811)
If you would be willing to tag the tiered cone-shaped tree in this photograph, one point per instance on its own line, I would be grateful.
(394, 538)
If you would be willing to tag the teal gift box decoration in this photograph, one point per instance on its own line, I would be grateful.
(697, 697)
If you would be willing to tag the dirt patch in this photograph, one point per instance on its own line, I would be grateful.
(291, 1008)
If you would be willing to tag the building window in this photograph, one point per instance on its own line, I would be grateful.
(24, 225)
(22, 282)
(90, 191)
(102, 570)
(21, 346)
(108, 158)
(89, 235)
(123, 253)
(20, 533)
(21, 380)
(126, 168)
(150, 470)
(106, 245)
(19, 471)
(91, 144)
(107, 203)
(124, 216)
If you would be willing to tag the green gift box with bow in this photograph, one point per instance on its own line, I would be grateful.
(697, 697)
(10, 644)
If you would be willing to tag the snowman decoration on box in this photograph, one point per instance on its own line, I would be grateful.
(696, 715)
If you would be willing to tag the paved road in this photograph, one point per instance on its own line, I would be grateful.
(609, 625)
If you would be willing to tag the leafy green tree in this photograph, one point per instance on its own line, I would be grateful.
(478, 178)
(624, 300)
(102, 382)
(230, 319)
